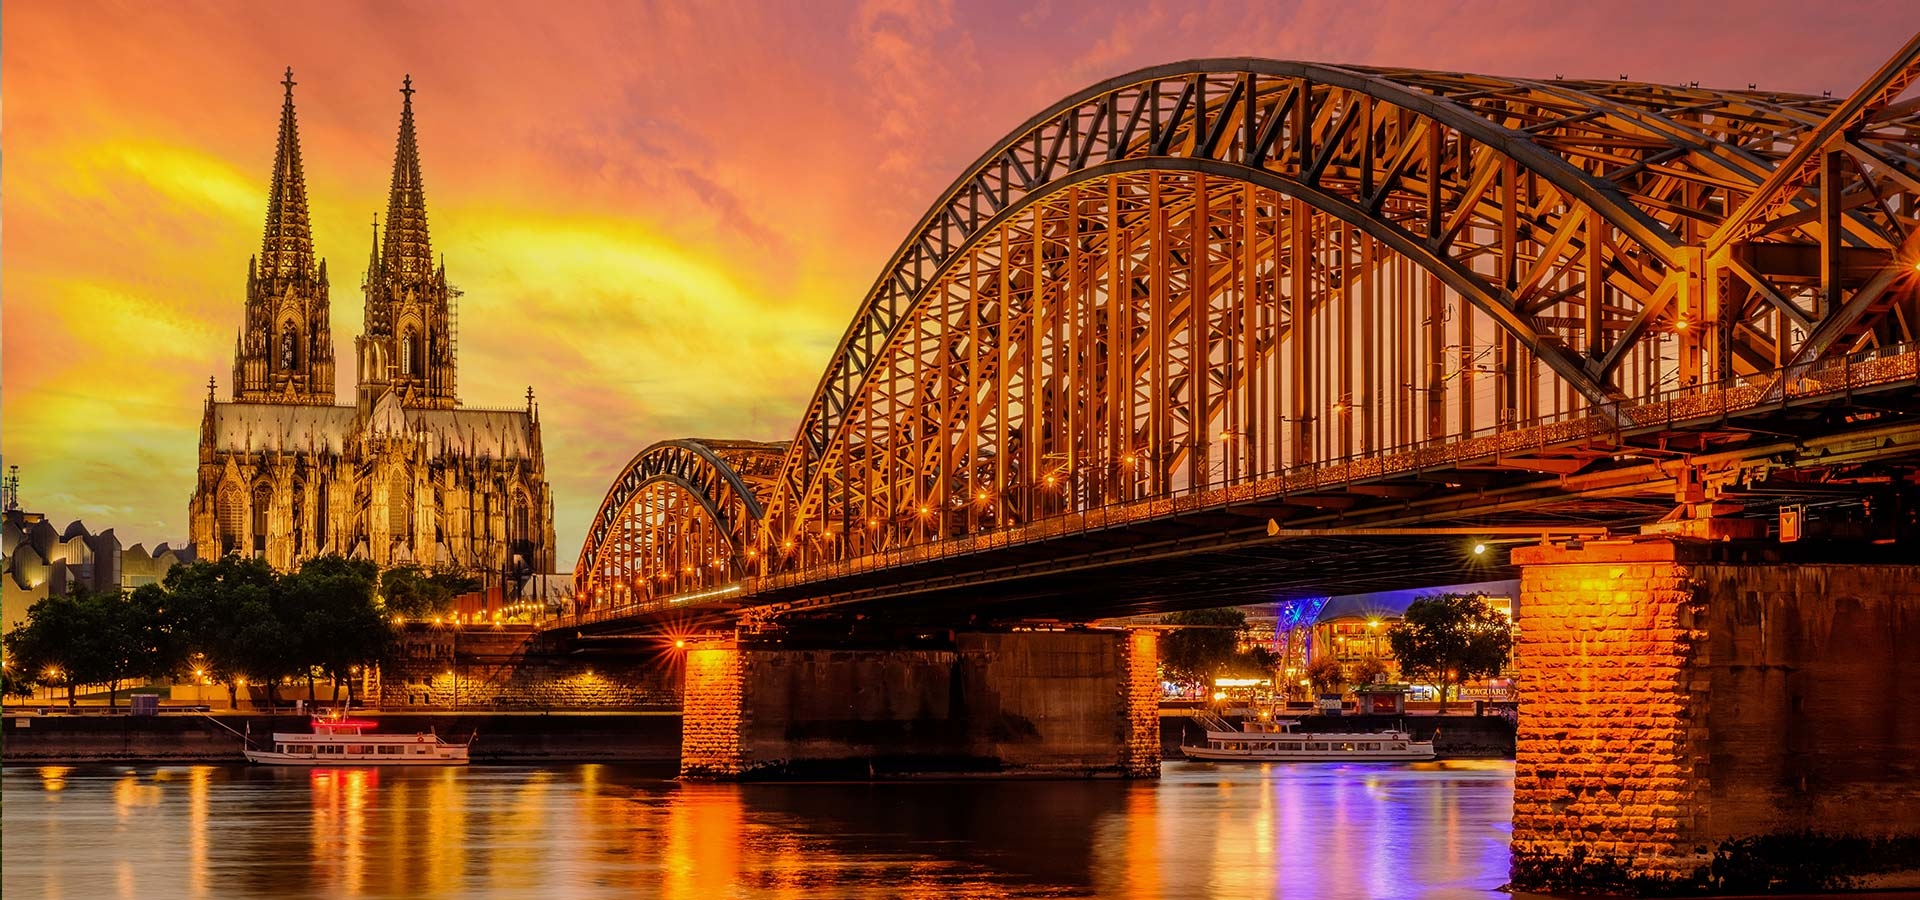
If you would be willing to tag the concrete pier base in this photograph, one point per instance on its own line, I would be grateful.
(1080, 703)
(1716, 716)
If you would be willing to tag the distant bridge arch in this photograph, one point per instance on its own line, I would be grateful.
(679, 515)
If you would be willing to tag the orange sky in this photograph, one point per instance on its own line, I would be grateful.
(662, 215)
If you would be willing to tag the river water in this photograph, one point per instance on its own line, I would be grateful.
(1202, 830)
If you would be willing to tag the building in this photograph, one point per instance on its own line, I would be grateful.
(1354, 627)
(404, 473)
(38, 560)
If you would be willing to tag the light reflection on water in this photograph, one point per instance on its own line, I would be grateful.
(1202, 830)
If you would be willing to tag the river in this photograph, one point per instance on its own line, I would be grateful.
(1203, 830)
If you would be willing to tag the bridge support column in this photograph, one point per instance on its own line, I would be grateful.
(1010, 703)
(1716, 715)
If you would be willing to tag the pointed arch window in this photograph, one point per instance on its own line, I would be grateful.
(522, 518)
(406, 353)
(232, 514)
(262, 504)
(289, 347)
(399, 506)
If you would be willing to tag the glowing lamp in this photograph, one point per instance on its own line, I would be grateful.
(1479, 549)
(679, 645)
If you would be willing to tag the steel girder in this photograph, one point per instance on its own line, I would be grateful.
(1571, 214)
(677, 509)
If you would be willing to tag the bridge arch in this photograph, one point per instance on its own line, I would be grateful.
(1541, 242)
(678, 517)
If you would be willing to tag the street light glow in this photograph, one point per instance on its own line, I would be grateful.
(1479, 549)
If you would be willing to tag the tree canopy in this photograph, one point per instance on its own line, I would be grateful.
(1450, 638)
(1205, 644)
(230, 620)
(416, 593)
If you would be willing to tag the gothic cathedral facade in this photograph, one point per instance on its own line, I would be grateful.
(402, 475)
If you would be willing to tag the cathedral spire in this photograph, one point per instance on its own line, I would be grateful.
(286, 249)
(373, 257)
(284, 350)
(408, 253)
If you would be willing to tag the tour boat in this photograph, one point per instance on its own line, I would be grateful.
(340, 741)
(1276, 741)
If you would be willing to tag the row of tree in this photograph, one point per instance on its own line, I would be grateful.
(230, 620)
(1444, 640)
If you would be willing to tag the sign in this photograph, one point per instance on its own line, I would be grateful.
(1790, 520)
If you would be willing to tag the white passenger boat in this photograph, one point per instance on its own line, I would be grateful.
(340, 741)
(1276, 741)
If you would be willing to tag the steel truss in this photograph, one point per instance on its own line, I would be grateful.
(1214, 272)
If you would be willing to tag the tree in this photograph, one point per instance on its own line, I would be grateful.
(332, 608)
(1327, 675)
(223, 611)
(416, 594)
(87, 637)
(1368, 670)
(1203, 643)
(1450, 638)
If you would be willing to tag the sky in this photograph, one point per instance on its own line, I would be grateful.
(663, 215)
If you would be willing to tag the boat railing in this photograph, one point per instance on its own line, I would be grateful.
(1212, 722)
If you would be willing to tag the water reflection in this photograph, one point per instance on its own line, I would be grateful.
(1203, 830)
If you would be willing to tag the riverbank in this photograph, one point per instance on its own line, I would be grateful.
(542, 737)
(502, 737)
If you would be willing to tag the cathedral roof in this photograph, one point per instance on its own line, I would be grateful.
(495, 434)
(288, 427)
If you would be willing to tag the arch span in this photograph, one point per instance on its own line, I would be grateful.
(1166, 271)
(678, 516)
(1218, 271)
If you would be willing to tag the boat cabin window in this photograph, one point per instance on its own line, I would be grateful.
(1316, 746)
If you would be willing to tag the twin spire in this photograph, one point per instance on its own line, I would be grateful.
(286, 249)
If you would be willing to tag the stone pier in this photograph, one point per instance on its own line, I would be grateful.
(1717, 716)
(1081, 702)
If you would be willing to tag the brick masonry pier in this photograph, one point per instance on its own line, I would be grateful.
(1018, 703)
(1716, 716)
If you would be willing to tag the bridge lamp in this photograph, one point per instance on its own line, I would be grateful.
(982, 496)
(925, 510)
(680, 644)
(1916, 267)
(1480, 549)
(1049, 481)
(1680, 324)
(873, 523)
(1128, 459)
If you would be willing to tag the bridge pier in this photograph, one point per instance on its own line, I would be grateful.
(1717, 715)
(1083, 702)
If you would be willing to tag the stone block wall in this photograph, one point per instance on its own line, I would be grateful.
(714, 718)
(1141, 702)
(1075, 702)
(505, 669)
(1709, 716)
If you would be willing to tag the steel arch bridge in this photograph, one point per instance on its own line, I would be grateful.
(1218, 274)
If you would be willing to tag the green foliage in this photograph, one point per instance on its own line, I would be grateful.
(413, 592)
(1368, 669)
(230, 619)
(1450, 638)
(1203, 645)
(89, 637)
(1327, 675)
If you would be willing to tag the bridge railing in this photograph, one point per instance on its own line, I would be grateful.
(1836, 376)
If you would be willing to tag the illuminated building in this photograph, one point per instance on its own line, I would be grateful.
(402, 475)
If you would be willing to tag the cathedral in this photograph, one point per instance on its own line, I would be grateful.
(403, 474)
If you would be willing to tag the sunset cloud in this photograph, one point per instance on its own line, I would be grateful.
(662, 216)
